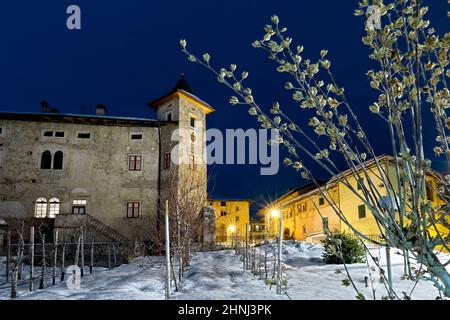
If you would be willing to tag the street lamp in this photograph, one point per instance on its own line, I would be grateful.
(275, 213)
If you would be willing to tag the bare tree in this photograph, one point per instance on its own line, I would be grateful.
(411, 79)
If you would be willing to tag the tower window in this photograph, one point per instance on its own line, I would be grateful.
(135, 163)
(192, 122)
(136, 136)
(59, 134)
(192, 162)
(58, 160)
(46, 160)
(167, 160)
(48, 134)
(169, 116)
(223, 203)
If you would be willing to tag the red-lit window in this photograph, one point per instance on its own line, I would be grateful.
(133, 209)
(167, 160)
(135, 163)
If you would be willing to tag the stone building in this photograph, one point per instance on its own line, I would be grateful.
(109, 174)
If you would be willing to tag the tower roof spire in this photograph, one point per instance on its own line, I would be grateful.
(182, 84)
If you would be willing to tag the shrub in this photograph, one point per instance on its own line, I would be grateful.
(340, 246)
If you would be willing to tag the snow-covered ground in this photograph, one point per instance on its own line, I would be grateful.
(219, 275)
(213, 275)
(309, 278)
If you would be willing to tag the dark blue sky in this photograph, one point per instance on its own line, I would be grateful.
(127, 54)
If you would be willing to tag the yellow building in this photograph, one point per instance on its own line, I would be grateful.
(306, 214)
(232, 218)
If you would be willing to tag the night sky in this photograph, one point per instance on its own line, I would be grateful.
(128, 54)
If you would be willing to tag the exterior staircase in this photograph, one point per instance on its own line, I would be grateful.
(91, 224)
(103, 229)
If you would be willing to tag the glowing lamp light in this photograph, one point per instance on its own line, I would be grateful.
(232, 228)
(275, 213)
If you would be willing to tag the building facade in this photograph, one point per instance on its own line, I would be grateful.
(307, 215)
(232, 218)
(111, 174)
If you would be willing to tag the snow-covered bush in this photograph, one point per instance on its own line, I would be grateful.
(341, 248)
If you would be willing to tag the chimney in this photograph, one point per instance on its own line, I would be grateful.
(45, 107)
(100, 110)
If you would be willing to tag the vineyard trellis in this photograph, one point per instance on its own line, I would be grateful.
(54, 258)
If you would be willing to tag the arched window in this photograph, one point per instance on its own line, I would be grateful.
(53, 208)
(58, 160)
(46, 160)
(40, 208)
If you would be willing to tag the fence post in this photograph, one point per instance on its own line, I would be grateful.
(31, 259)
(166, 220)
(55, 254)
(42, 284)
(246, 246)
(91, 267)
(82, 250)
(19, 262)
(114, 254)
(63, 259)
(280, 245)
(8, 257)
(109, 257)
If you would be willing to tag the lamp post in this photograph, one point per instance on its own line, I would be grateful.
(279, 213)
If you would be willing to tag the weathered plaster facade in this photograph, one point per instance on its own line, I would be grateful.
(95, 169)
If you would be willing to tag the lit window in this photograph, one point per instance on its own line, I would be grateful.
(53, 207)
(40, 208)
(79, 202)
(135, 163)
(133, 209)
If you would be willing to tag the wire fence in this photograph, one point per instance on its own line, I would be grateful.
(40, 264)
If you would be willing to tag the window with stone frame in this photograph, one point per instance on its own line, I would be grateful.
(133, 209)
(135, 163)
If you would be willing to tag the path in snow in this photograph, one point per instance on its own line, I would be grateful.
(213, 275)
